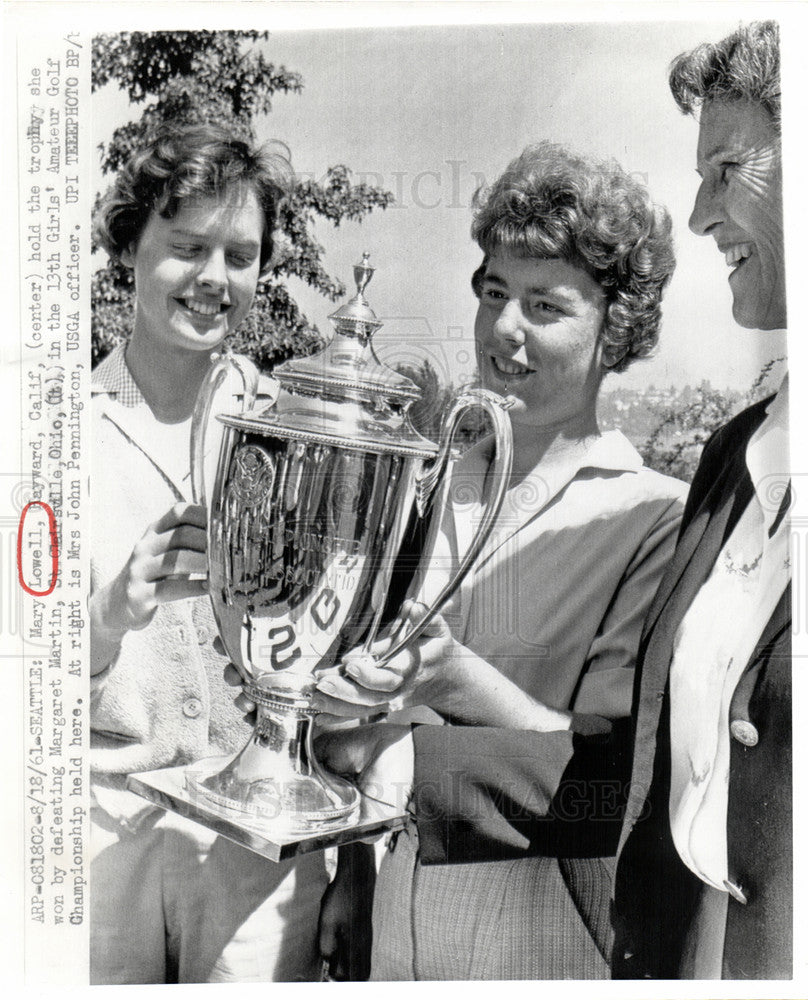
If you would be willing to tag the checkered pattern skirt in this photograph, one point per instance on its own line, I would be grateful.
(531, 918)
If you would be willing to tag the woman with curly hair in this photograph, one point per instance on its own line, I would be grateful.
(503, 874)
(193, 214)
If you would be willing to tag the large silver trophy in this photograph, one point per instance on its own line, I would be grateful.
(313, 498)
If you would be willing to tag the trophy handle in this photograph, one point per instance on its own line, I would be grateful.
(217, 373)
(496, 407)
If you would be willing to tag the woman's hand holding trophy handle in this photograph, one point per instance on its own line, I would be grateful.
(420, 663)
(438, 672)
(169, 563)
(422, 674)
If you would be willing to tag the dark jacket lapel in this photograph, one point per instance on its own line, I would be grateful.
(720, 493)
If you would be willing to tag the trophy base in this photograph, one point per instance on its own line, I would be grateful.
(299, 804)
(276, 779)
(170, 788)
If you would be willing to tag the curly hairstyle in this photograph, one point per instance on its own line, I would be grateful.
(188, 161)
(744, 66)
(552, 204)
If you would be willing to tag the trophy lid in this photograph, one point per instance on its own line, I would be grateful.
(343, 394)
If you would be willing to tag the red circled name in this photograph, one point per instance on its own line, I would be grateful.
(54, 547)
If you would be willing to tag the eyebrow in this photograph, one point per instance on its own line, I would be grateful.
(495, 278)
(553, 293)
(192, 234)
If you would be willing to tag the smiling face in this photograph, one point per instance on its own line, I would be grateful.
(740, 204)
(196, 274)
(537, 334)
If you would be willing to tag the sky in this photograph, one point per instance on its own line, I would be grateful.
(430, 113)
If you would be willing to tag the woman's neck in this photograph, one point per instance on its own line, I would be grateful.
(534, 445)
(169, 381)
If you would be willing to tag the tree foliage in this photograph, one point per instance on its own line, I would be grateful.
(675, 445)
(427, 413)
(223, 76)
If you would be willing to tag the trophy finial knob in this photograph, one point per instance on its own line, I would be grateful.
(362, 274)
(355, 318)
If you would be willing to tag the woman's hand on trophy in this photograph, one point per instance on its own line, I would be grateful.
(234, 679)
(379, 758)
(169, 563)
(439, 672)
(415, 676)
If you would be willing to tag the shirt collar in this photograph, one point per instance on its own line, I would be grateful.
(612, 451)
(609, 452)
(113, 378)
(767, 456)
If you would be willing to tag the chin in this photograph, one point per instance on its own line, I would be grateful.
(755, 320)
(209, 340)
(759, 308)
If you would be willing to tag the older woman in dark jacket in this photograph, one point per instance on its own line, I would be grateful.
(704, 884)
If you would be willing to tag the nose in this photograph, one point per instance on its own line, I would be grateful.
(212, 275)
(508, 326)
(707, 211)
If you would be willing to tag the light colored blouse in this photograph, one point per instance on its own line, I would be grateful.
(557, 600)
